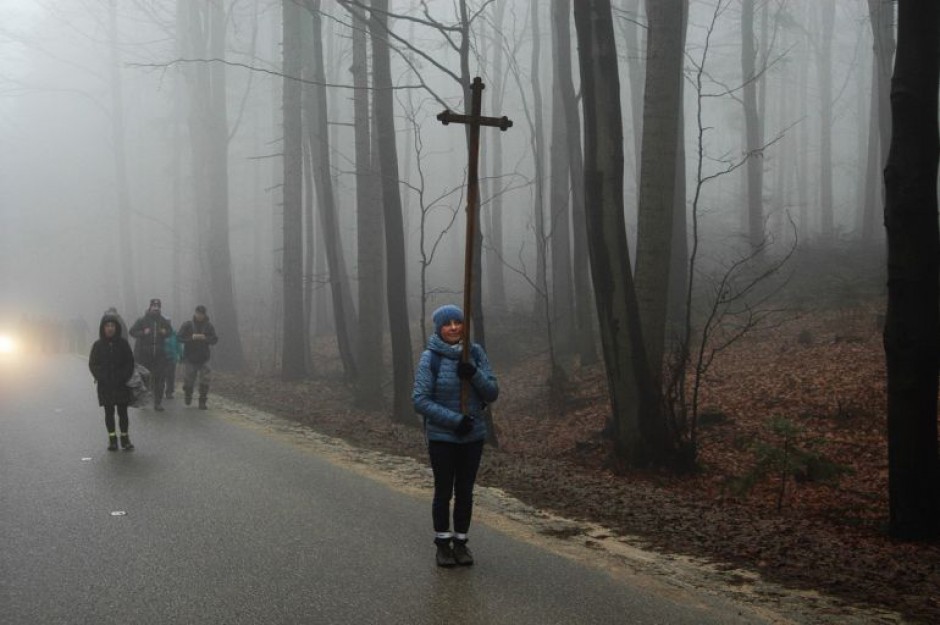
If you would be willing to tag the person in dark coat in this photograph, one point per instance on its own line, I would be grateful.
(197, 336)
(112, 363)
(455, 438)
(151, 331)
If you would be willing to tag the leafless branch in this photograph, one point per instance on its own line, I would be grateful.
(266, 71)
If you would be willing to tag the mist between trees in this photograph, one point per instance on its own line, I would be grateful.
(677, 169)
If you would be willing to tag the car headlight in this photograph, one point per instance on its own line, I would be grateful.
(7, 344)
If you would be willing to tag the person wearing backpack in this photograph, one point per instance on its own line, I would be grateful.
(455, 439)
(151, 331)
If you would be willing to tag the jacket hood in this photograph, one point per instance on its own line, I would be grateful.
(105, 319)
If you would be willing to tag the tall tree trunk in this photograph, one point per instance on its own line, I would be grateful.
(176, 164)
(369, 232)
(752, 124)
(563, 320)
(228, 354)
(658, 175)
(872, 181)
(310, 248)
(294, 344)
(478, 327)
(125, 243)
(636, 73)
(538, 149)
(397, 284)
(637, 425)
(828, 8)
(496, 283)
(581, 276)
(911, 336)
(344, 313)
(272, 329)
(803, 147)
(204, 37)
(679, 252)
(882, 26)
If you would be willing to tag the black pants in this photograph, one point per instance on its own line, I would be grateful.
(455, 471)
(157, 378)
(109, 417)
(170, 378)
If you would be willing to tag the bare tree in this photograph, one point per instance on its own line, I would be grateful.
(293, 354)
(125, 243)
(581, 277)
(562, 302)
(396, 285)
(537, 141)
(493, 210)
(881, 13)
(824, 74)
(656, 213)
(639, 434)
(316, 113)
(753, 125)
(912, 328)
(631, 29)
(205, 32)
(368, 230)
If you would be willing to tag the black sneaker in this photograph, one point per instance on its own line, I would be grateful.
(188, 398)
(112, 443)
(202, 404)
(158, 408)
(126, 443)
(462, 554)
(445, 554)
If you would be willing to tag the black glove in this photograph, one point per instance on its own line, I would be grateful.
(465, 426)
(465, 370)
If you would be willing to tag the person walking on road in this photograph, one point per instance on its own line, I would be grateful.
(151, 331)
(455, 439)
(112, 363)
(197, 336)
(174, 353)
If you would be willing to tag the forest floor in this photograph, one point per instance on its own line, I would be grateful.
(792, 466)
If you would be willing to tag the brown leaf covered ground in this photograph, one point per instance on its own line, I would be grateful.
(821, 375)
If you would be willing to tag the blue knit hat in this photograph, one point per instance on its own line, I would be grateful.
(444, 315)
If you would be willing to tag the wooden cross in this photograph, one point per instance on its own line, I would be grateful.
(474, 120)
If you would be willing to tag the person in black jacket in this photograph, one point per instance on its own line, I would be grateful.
(151, 331)
(196, 336)
(112, 363)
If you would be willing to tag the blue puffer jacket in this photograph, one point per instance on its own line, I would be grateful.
(438, 401)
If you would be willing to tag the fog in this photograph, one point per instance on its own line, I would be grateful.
(83, 99)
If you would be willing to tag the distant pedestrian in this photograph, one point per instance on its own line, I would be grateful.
(197, 336)
(455, 439)
(174, 354)
(112, 363)
(151, 331)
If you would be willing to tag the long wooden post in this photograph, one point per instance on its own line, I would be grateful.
(474, 120)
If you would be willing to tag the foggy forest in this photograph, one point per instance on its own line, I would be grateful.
(680, 270)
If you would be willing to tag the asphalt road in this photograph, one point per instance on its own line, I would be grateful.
(226, 525)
